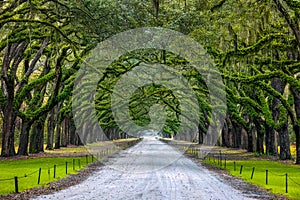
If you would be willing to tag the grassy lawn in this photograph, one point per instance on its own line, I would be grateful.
(27, 171)
(276, 175)
(27, 168)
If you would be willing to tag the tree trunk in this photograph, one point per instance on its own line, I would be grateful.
(8, 146)
(57, 136)
(270, 141)
(57, 126)
(13, 53)
(250, 140)
(24, 137)
(236, 135)
(37, 137)
(64, 133)
(296, 126)
(72, 132)
(260, 136)
(226, 131)
(297, 132)
(155, 7)
(279, 86)
(285, 152)
(200, 137)
(50, 132)
(40, 137)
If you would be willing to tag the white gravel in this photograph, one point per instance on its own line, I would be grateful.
(150, 170)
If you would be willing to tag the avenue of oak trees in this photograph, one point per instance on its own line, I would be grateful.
(254, 44)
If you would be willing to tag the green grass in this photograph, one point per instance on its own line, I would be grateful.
(27, 171)
(64, 150)
(276, 175)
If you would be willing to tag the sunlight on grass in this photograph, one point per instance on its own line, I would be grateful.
(80, 149)
(276, 175)
(28, 170)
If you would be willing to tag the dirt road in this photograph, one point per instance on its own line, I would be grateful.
(150, 170)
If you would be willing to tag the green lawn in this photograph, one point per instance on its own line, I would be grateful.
(27, 171)
(276, 175)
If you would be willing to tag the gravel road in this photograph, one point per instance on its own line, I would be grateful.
(150, 170)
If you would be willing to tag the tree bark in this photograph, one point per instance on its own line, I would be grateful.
(57, 136)
(250, 140)
(50, 132)
(37, 137)
(289, 20)
(270, 141)
(260, 136)
(57, 126)
(297, 132)
(236, 135)
(285, 152)
(8, 146)
(155, 7)
(200, 137)
(296, 126)
(279, 86)
(72, 132)
(64, 133)
(24, 138)
(10, 115)
(226, 132)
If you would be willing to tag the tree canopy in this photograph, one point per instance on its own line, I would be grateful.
(254, 44)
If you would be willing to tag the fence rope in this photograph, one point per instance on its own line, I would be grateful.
(6, 179)
(277, 174)
(25, 175)
(31, 173)
(293, 181)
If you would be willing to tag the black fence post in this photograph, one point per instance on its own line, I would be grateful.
(252, 173)
(73, 164)
(16, 185)
(54, 171)
(66, 167)
(234, 166)
(86, 159)
(286, 183)
(79, 166)
(39, 177)
(241, 169)
(267, 177)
